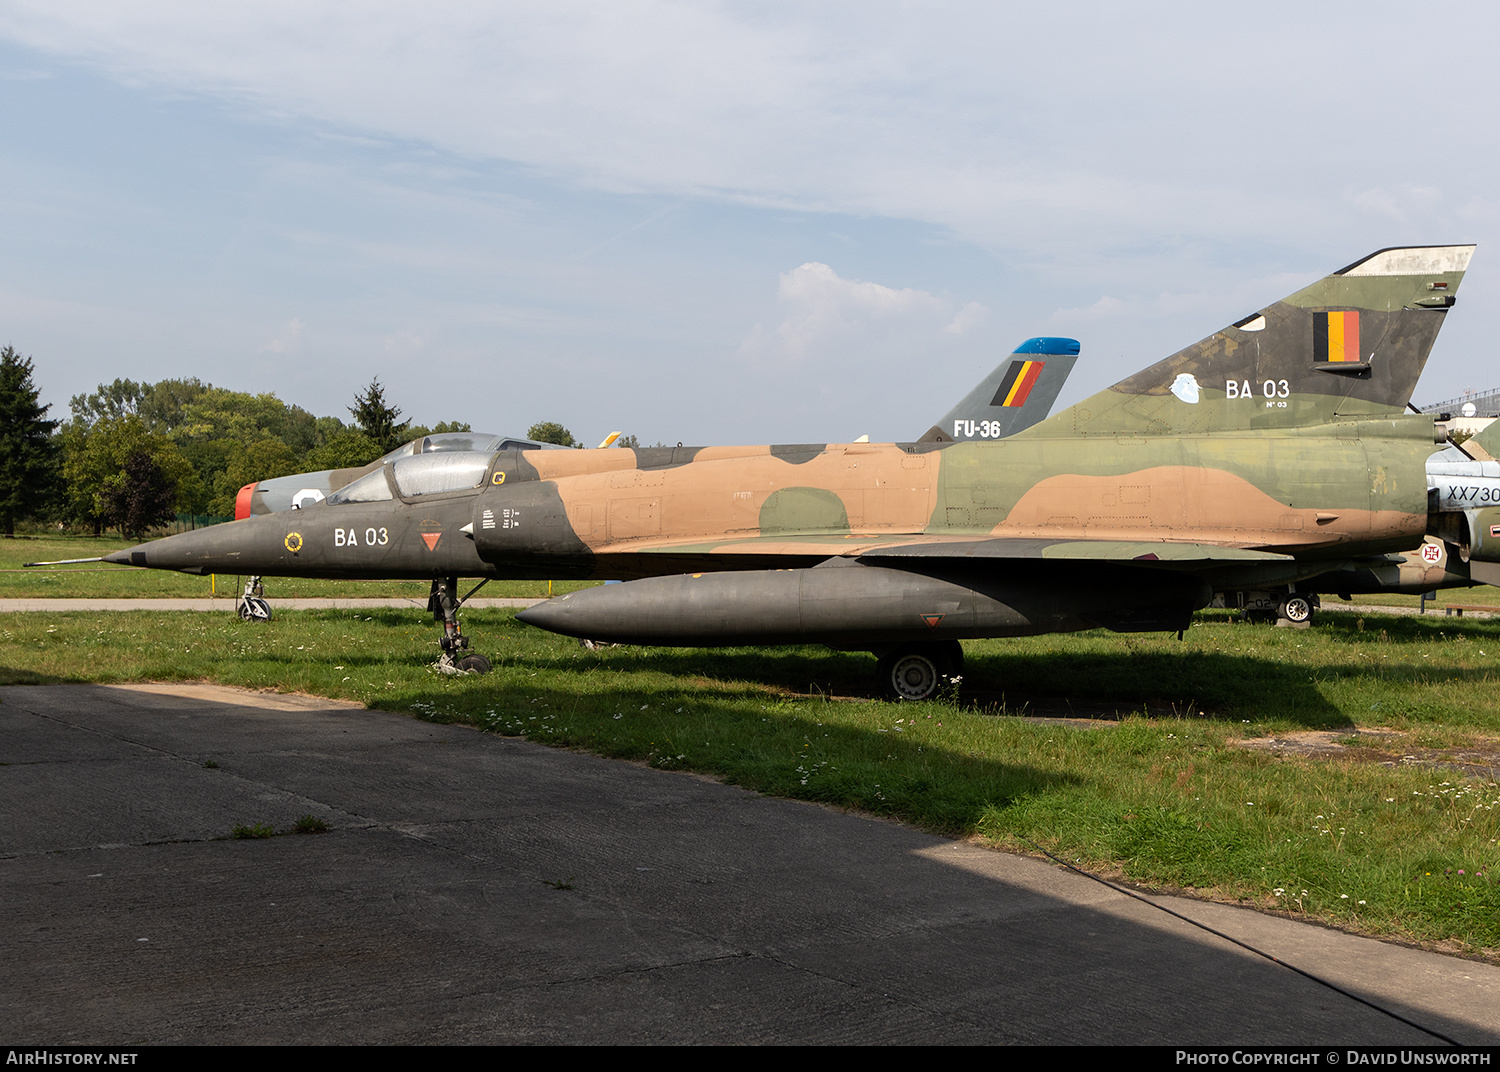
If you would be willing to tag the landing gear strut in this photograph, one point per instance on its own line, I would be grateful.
(455, 657)
(918, 671)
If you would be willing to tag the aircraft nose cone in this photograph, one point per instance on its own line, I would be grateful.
(219, 548)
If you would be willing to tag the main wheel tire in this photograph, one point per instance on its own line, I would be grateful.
(915, 673)
(1296, 609)
(477, 663)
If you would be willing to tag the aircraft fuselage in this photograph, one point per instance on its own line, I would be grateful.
(1353, 487)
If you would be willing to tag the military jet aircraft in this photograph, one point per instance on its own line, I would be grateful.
(1272, 451)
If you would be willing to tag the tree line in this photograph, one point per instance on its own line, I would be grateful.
(131, 456)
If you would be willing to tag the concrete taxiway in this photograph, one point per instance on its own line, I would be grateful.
(478, 889)
(227, 606)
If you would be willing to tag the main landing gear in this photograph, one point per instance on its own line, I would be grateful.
(455, 657)
(919, 671)
(1282, 606)
(1297, 608)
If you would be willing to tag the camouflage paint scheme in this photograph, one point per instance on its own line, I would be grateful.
(1275, 450)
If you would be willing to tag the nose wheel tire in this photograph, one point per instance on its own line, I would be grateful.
(254, 609)
(474, 663)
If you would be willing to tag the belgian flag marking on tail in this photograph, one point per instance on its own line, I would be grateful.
(1336, 336)
(1018, 382)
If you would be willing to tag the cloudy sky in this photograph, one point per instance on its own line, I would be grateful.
(714, 222)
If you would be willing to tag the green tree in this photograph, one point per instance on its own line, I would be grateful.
(628, 440)
(217, 413)
(551, 432)
(112, 401)
(215, 426)
(159, 405)
(376, 419)
(163, 403)
(142, 497)
(210, 427)
(261, 460)
(420, 430)
(28, 457)
(350, 449)
(94, 466)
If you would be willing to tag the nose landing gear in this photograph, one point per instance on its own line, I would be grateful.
(454, 656)
(252, 605)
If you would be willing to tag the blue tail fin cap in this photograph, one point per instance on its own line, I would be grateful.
(1045, 345)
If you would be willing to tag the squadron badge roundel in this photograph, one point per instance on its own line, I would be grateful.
(294, 542)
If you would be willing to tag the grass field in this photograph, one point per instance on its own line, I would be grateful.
(1393, 832)
(1481, 596)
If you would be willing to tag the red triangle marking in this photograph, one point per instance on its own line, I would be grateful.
(431, 539)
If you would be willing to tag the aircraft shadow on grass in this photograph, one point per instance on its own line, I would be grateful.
(1110, 684)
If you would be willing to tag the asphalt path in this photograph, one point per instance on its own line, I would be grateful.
(479, 889)
(227, 605)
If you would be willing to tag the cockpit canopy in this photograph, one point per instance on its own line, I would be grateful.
(416, 475)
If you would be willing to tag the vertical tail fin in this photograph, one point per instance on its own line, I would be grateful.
(1353, 343)
(1018, 394)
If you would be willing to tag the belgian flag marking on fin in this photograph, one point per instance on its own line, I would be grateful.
(1336, 336)
(1018, 382)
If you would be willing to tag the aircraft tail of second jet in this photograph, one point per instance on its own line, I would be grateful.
(1016, 395)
